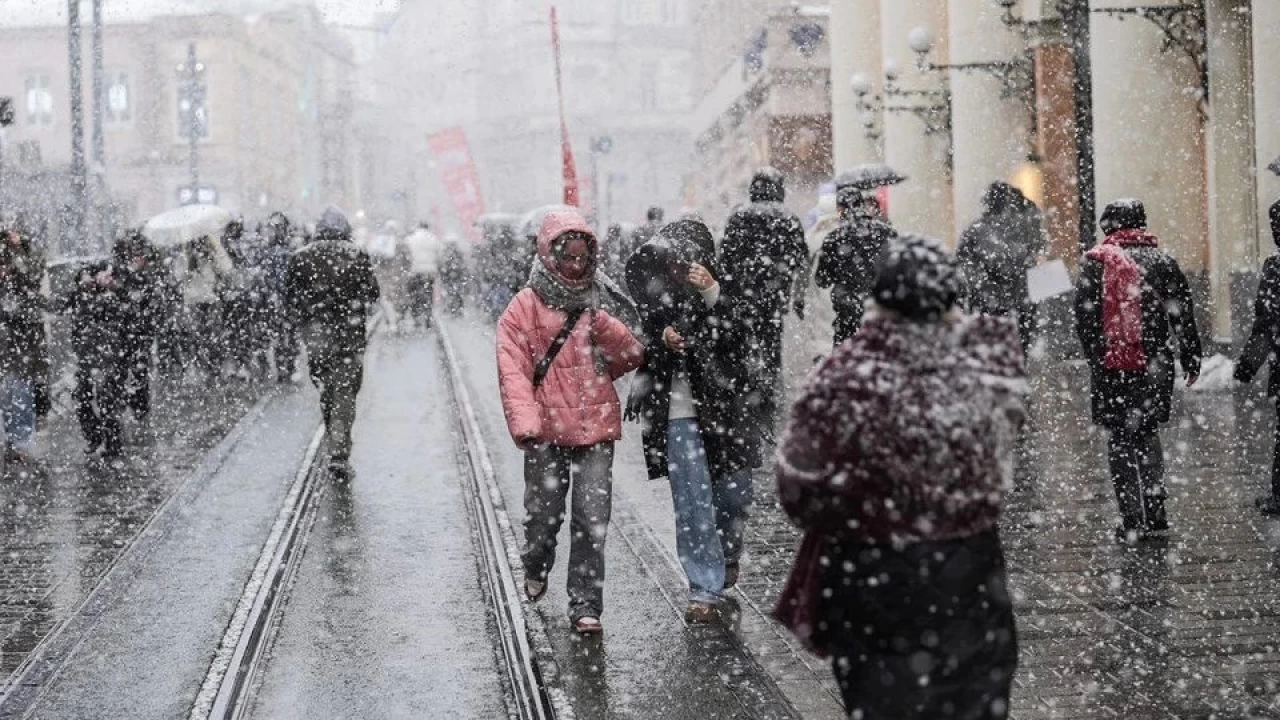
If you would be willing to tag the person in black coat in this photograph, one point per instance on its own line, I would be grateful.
(762, 258)
(1133, 307)
(995, 253)
(689, 397)
(144, 284)
(113, 306)
(847, 260)
(1264, 344)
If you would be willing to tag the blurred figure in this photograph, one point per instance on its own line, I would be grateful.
(424, 251)
(559, 353)
(762, 258)
(654, 218)
(331, 290)
(1264, 344)
(894, 462)
(1132, 306)
(202, 270)
(847, 263)
(239, 291)
(690, 399)
(142, 284)
(455, 276)
(995, 253)
(23, 355)
(281, 334)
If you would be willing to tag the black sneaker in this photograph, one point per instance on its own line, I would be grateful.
(340, 471)
(1268, 505)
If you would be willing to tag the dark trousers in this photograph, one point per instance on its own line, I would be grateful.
(338, 375)
(1275, 462)
(764, 332)
(283, 338)
(137, 381)
(100, 399)
(421, 291)
(1137, 470)
(549, 471)
(848, 320)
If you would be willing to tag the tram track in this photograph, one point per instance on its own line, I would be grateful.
(528, 661)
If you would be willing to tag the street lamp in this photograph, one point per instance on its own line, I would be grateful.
(1017, 75)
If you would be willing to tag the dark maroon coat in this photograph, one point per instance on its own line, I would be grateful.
(904, 434)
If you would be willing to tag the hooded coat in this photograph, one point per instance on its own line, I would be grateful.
(764, 249)
(1138, 400)
(576, 405)
(331, 287)
(998, 249)
(714, 363)
(1264, 338)
(847, 264)
(894, 462)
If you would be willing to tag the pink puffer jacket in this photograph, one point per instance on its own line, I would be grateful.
(575, 406)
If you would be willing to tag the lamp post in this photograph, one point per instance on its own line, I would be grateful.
(78, 166)
(191, 113)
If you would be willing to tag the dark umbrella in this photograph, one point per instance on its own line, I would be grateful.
(1275, 166)
(868, 176)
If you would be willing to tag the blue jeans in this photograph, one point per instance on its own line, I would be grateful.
(18, 405)
(711, 512)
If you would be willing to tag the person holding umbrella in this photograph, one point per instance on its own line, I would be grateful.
(689, 396)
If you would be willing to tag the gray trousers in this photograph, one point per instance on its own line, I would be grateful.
(338, 374)
(549, 470)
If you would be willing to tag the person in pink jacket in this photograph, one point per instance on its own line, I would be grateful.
(559, 353)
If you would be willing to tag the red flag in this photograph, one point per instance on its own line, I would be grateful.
(566, 149)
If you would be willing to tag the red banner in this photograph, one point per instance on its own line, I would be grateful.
(566, 149)
(458, 171)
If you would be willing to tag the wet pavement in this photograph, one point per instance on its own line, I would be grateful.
(64, 523)
(387, 618)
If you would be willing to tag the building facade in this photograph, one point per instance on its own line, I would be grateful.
(1177, 91)
(279, 109)
(769, 106)
(488, 68)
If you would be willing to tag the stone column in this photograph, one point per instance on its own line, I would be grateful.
(1056, 141)
(1148, 133)
(1266, 68)
(990, 131)
(923, 204)
(1233, 228)
(855, 48)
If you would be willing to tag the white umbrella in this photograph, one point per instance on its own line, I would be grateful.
(188, 223)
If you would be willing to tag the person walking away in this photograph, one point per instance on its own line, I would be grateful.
(331, 290)
(847, 262)
(558, 355)
(142, 285)
(1132, 306)
(282, 336)
(1264, 343)
(22, 346)
(894, 462)
(424, 265)
(689, 398)
(762, 257)
(995, 253)
(655, 217)
(454, 275)
(202, 274)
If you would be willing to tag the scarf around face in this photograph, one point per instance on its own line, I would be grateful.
(1122, 298)
(573, 300)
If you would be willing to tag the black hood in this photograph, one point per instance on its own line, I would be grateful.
(768, 185)
(1275, 221)
(1126, 214)
(918, 278)
(1001, 197)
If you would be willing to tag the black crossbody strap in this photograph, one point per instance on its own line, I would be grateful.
(544, 365)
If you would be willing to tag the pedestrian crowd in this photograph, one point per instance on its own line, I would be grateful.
(896, 454)
(893, 459)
